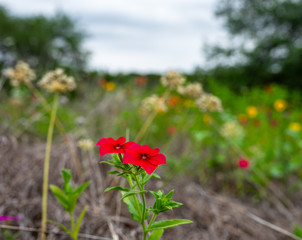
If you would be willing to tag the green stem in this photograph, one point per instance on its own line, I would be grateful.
(46, 166)
(134, 197)
(141, 188)
(72, 226)
(152, 220)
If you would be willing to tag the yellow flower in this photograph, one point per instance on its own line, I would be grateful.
(280, 105)
(295, 126)
(252, 111)
(109, 86)
(207, 118)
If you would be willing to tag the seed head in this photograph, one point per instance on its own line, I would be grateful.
(57, 81)
(209, 102)
(193, 90)
(172, 80)
(22, 73)
(152, 103)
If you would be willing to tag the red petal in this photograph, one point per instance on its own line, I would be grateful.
(102, 141)
(105, 149)
(120, 140)
(158, 159)
(127, 145)
(148, 167)
(132, 155)
(149, 151)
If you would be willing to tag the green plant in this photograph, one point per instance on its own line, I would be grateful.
(137, 166)
(68, 198)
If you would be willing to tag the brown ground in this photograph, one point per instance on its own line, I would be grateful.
(215, 216)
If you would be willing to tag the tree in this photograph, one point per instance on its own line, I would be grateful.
(43, 42)
(273, 28)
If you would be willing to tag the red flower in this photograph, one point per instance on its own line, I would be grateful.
(109, 145)
(243, 163)
(144, 156)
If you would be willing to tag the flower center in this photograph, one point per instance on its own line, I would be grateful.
(144, 157)
(117, 147)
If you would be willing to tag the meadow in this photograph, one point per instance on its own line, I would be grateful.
(233, 157)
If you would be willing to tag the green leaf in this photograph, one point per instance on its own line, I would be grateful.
(66, 178)
(113, 172)
(78, 191)
(297, 231)
(154, 175)
(156, 234)
(119, 188)
(60, 196)
(116, 158)
(61, 226)
(132, 207)
(77, 228)
(168, 224)
(132, 192)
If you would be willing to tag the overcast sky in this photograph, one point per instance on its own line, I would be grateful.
(137, 35)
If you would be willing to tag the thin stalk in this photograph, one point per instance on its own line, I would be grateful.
(46, 165)
(145, 126)
(60, 127)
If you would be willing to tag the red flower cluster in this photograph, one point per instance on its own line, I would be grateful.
(243, 163)
(144, 156)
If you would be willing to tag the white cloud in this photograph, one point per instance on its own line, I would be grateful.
(138, 35)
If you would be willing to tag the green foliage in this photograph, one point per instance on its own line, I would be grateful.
(43, 42)
(8, 235)
(68, 198)
(298, 231)
(168, 224)
(273, 28)
(137, 207)
(163, 203)
(156, 234)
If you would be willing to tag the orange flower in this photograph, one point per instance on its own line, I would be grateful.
(252, 111)
(173, 101)
(141, 81)
(280, 105)
(102, 82)
(242, 119)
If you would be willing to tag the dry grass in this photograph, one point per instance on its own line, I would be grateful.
(215, 216)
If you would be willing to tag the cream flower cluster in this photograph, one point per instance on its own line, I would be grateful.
(193, 90)
(231, 129)
(154, 103)
(209, 102)
(22, 73)
(172, 80)
(85, 144)
(57, 81)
